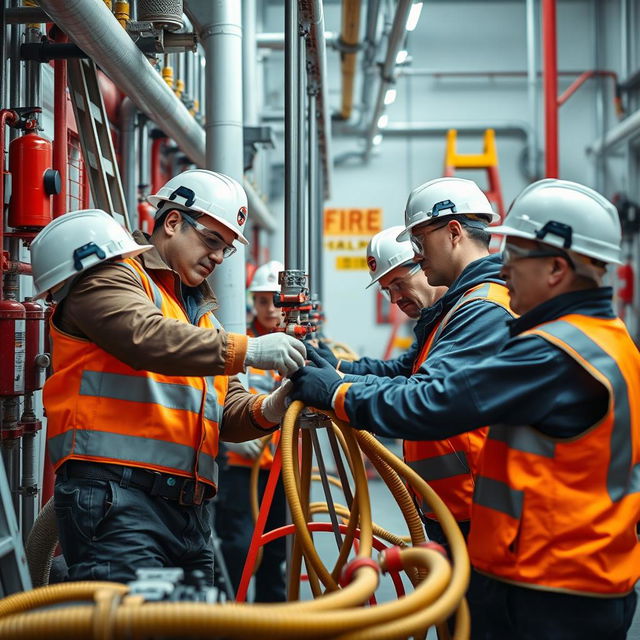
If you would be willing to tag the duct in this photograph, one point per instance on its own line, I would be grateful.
(349, 37)
(129, 155)
(387, 79)
(626, 130)
(312, 15)
(219, 26)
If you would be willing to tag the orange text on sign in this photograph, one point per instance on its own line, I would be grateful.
(352, 222)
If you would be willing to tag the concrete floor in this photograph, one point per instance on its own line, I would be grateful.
(387, 515)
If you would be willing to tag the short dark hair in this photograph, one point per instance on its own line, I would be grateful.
(161, 216)
(478, 234)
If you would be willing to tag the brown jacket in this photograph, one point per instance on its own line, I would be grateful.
(108, 306)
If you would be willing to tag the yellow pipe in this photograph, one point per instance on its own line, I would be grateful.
(349, 36)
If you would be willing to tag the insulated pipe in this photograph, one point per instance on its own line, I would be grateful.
(291, 142)
(387, 79)
(220, 32)
(349, 36)
(129, 155)
(60, 132)
(550, 56)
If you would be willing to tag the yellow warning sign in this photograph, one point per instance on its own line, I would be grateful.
(352, 222)
(346, 245)
(351, 263)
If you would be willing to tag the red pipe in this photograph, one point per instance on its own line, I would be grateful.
(550, 60)
(21, 268)
(60, 131)
(7, 116)
(581, 79)
(156, 165)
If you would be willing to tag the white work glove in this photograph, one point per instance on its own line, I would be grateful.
(277, 402)
(275, 351)
(250, 449)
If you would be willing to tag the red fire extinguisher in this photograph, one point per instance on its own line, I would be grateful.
(33, 181)
(146, 213)
(12, 347)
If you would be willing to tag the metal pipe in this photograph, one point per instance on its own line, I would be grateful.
(258, 209)
(505, 127)
(550, 55)
(275, 41)
(312, 15)
(301, 157)
(29, 483)
(129, 155)
(144, 164)
(369, 59)
(387, 79)
(250, 107)
(532, 89)
(33, 90)
(96, 31)
(312, 206)
(601, 107)
(60, 132)
(349, 36)
(15, 69)
(291, 177)
(219, 26)
(25, 15)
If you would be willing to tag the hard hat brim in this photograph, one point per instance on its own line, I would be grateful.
(384, 273)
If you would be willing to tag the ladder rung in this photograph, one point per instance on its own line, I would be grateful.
(7, 546)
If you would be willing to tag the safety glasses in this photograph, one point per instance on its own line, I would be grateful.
(417, 243)
(210, 238)
(511, 253)
(396, 285)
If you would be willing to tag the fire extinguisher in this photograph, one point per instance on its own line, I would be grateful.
(625, 290)
(146, 213)
(12, 348)
(36, 360)
(33, 181)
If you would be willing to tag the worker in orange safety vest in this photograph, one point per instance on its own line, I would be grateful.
(143, 382)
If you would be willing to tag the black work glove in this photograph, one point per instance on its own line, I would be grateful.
(324, 351)
(316, 383)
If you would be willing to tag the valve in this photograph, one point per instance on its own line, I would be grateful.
(295, 303)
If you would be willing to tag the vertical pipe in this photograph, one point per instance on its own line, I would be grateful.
(144, 165)
(549, 42)
(249, 64)
(291, 177)
(314, 240)
(129, 156)
(302, 212)
(220, 30)
(15, 69)
(600, 105)
(29, 483)
(60, 141)
(532, 90)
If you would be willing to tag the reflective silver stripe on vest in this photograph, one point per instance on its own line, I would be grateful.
(523, 438)
(620, 473)
(157, 296)
(131, 449)
(441, 467)
(212, 410)
(482, 292)
(117, 386)
(499, 496)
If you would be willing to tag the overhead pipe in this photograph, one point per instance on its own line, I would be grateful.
(387, 78)
(369, 66)
(349, 38)
(532, 89)
(504, 127)
(550, 79)
(250, 106)
(626, 130)
(311, 14)
(219, 26)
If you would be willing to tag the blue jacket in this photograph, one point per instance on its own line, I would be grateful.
(475, 331)
(529, 381)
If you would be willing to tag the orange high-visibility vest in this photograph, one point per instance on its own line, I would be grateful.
(100, 409)
(561, 514)
(450, 465)
(258, 381)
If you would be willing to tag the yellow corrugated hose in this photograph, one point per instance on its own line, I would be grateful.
(336, 614)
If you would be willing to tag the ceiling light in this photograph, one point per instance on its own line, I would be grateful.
(414, 16)
(383, 121)
(377, 139)
(402, 56)
(390, 96)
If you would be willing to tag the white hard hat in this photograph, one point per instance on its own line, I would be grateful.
(567, 215)
(265, 277)
(385, 253)
(210, 193)
(75, 242)
(441, 197)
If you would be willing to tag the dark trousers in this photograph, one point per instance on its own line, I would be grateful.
(530, 614)
(477, 582)
(109, 529)
(234, 525)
